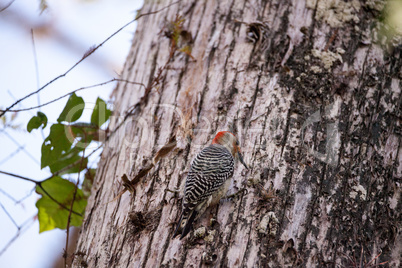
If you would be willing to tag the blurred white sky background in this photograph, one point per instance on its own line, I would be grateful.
(63, 33)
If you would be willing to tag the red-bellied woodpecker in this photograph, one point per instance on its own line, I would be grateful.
(208, 179)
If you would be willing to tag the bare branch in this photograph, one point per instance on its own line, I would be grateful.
(82, 59)
(19, 145)
(9, 216)
(71, 92)
(35, 62)
(7, 6)
(26, 196)
(157, 11)
(71, 207)
(21, 230)
(36, 72)
(19, 177)
(39, 184)
(15, 200)
(8, 195)
(11, 155)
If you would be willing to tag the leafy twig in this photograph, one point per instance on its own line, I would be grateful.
(71, 165)
(20, 231)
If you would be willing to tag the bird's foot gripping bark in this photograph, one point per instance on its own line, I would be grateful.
(238, 193)
(176, 193)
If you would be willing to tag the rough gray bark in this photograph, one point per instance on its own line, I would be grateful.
(316, 104)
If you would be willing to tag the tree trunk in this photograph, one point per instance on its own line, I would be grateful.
(315, 101)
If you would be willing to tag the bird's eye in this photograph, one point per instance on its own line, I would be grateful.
(237, 142)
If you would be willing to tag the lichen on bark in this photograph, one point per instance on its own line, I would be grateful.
(324, 142)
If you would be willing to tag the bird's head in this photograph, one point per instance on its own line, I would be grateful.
(229, 140)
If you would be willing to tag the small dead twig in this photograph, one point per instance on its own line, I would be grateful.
(65, 255)
(130, 185)
(331, 39)
(164, 151)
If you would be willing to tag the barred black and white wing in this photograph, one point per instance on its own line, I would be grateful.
(208, 173)
(209, 170)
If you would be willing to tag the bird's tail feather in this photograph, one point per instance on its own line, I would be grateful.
(189, 224)
(185, 223)
(178, 227)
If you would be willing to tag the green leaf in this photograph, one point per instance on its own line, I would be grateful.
(73, 109)
(100, 113)
(55, 144)
(58, 151)
(36, 121)
(86, 132)
(50, 214)
(68, 159)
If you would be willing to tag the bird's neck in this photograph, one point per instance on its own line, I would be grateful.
(227, 147)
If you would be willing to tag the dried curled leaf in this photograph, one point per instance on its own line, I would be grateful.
(181, 39)
(163, 152)
(167, 148)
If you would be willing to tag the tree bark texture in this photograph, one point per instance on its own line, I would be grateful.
(316, 104)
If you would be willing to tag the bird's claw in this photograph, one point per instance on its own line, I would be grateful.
(237, 193)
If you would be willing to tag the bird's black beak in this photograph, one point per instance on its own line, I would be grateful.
(241, 159)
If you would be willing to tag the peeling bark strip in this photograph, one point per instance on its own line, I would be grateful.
(316, 104)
